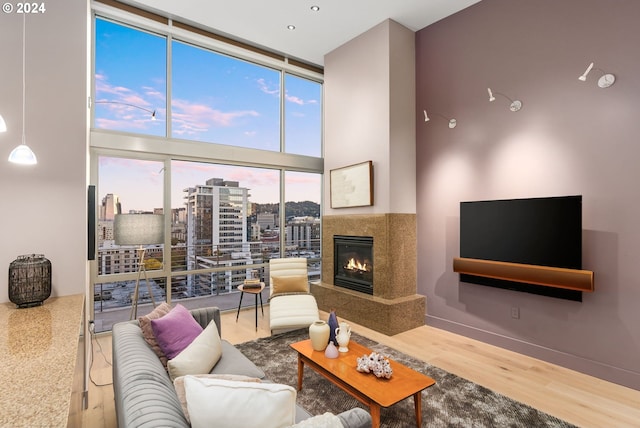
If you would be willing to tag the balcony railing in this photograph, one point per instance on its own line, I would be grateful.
(199, 277)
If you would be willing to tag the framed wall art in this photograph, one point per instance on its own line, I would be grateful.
(352, 186)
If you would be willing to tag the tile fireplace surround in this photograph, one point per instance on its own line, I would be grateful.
(394, 307)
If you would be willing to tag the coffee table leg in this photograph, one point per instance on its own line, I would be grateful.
(300, 372)
(374, 410)
(417, 400)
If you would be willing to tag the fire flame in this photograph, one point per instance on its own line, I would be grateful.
(356, 265)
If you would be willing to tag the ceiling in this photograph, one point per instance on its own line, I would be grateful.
(264, 22)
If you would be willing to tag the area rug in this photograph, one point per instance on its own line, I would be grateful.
(451, 402)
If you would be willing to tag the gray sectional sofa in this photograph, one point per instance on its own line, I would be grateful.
(144, 394)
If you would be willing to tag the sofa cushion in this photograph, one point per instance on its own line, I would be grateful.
(226, 403)
(235, 362)
(289, 284)
(175, 331)
(147, 331)
(178, 384)
(200, 356)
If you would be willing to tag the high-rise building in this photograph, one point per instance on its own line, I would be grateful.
(110, 207)
(304, 234)
(216, 217)
(217, 230)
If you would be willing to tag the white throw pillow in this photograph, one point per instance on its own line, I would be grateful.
(231, 404)
(200, 356)
(178, 384)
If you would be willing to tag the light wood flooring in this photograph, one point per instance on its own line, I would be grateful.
(577, 398)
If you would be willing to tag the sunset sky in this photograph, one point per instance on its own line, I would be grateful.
(215, 98)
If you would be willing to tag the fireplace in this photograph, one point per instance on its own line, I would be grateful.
(391, 305)
(353, 262)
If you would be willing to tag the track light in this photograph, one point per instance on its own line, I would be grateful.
(452, 122)
(606, 80)
(491, 97)
(153, 112)
(515, 104)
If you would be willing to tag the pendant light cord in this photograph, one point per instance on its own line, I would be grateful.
(24, 42)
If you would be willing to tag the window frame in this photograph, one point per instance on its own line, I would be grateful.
(165, 149)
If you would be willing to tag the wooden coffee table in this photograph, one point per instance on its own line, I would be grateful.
(365, 387)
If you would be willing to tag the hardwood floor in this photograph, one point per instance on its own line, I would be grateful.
(577, 398)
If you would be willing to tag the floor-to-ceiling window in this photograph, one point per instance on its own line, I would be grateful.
(226, 144)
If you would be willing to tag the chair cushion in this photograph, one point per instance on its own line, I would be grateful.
(292, 311)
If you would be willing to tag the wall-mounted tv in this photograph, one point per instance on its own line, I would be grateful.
(534, 231)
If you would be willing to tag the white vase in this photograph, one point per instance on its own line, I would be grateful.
(343, 334)
(319, 335)
(331, 351)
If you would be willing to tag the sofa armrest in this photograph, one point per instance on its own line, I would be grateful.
(355, 418)
(205, 315)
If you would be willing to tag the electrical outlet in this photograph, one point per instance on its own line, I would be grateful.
(92, 326)
(515, 312)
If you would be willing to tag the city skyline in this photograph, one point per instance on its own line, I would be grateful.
(118, 174)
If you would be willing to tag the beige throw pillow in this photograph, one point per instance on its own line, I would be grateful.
(178, 384)
(147, 331)
(289, 284)
(200, 356)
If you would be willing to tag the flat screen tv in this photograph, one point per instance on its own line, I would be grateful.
(536, 231)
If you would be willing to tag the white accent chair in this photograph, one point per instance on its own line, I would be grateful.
(290, 311)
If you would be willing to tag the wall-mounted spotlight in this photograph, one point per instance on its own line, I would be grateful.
(452, 121)
(515, 104)
(606, 80)
(153, 112)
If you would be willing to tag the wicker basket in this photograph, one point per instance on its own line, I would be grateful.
(29, 280)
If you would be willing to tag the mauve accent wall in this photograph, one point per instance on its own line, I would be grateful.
(570, 137)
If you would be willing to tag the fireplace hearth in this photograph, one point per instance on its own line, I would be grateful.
(353, 262)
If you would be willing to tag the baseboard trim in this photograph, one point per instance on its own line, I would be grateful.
(589, 367)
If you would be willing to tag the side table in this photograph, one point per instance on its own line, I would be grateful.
(256, 291)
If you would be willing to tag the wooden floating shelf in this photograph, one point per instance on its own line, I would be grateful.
(570, 279)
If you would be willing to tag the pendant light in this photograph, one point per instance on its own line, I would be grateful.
(22, 154)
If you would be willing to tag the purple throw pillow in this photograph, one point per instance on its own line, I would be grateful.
(175, 331)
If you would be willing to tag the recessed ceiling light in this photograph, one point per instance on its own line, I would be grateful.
(291, 27)
(315, 8)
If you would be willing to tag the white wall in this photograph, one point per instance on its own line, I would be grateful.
(44, 206)
(369, 100)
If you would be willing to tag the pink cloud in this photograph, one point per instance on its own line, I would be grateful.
(191, 118)
(293, 99)
(264, 87)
